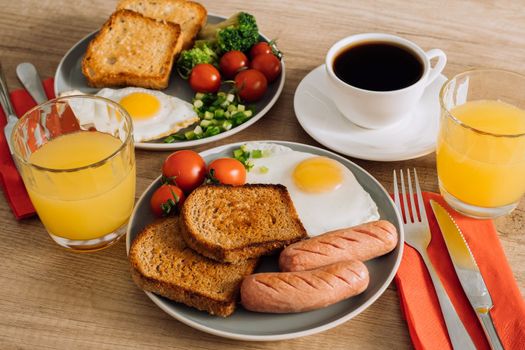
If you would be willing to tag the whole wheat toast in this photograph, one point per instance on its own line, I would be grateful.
(235, 223)
(131, 49)
(191, 16)
(162, 263)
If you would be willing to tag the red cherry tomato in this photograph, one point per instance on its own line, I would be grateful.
(166, 199)
(251, 85)
(204, 77)
(260, 48)
(185, 168)
(227, 171)
(268, 64)
(232, 62)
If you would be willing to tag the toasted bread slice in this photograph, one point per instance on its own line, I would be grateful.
(163, 264)
(235, 223)
(190, 15)
(131, 49)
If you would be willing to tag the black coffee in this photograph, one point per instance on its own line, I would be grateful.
(378, 66)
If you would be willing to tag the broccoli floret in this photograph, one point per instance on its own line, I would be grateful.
(200, 53)
(239, 32)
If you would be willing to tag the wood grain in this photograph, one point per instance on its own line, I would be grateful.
(51, 299)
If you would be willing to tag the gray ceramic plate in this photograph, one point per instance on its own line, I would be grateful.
(246, 325)
(69, 77)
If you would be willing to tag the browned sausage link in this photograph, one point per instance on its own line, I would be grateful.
(286, 292)
(362, 242)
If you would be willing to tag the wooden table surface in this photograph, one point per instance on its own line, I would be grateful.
(54, 299)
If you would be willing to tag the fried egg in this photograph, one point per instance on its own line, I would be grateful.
(154, 114)
(326, 194)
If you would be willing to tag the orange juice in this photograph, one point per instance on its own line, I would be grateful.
(480, 168)
(88, 203)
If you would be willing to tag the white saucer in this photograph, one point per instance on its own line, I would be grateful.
(412, 137)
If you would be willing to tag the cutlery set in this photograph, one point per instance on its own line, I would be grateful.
(28, 76)
(418, 236)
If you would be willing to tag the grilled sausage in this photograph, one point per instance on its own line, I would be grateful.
(362, 243)
(285, 292)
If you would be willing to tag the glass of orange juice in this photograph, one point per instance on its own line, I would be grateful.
(76, 157)
(481, 145)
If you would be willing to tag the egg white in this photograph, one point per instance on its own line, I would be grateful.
(346, 206)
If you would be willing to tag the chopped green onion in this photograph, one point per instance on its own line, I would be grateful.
(208, 115)
(198, 103)
(199, 95)
(241, 108)
(227, 125)
(219, 113)
(248, 113)
(197, 130)
(190, 135)
(263, 169)
(205, 123)
(256, 153)
(230, 98)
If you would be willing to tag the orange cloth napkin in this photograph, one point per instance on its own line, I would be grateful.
(419, 302)
(10, 180)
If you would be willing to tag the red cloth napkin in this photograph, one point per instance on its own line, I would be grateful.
(419, 302)
(10, 180)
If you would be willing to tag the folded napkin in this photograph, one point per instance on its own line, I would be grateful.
(419, 302)
(10, 180)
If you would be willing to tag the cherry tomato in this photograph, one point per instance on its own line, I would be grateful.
(260, 48)
(232, 62)
(204, 77)
(251, 85)
(268, 64)
(166, 199)
(227, 171)
(185, 168)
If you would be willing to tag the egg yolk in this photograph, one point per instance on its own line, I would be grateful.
(140, 105)
(318, 174)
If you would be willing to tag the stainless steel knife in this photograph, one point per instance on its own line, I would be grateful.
(468, 272)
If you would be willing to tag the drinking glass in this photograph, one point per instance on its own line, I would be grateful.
(481, 144)
(77, 160)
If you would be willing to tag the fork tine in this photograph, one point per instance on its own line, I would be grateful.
(397, 199)
(411, 192)
(420, 201)
(405, 197)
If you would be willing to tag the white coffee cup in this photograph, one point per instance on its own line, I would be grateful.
(378, 109)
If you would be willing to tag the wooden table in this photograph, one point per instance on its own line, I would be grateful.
(53, 299)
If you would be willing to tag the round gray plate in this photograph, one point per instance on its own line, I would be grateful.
(246, 325)
(69, 77)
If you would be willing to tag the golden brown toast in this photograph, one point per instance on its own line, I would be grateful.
(163, 264)
(235, 223)
(131, 49)
(190, 15)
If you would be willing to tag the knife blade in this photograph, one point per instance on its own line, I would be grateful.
(468, 272)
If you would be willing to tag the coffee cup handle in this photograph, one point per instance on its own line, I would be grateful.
(440, 65)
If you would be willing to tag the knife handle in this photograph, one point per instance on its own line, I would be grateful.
(459, 336)
(28, 76)
(490, 331)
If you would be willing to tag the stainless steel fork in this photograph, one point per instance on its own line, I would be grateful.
(417, 235)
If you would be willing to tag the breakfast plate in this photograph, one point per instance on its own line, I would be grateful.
(413, 137)
(246, 325)
(69, 77)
